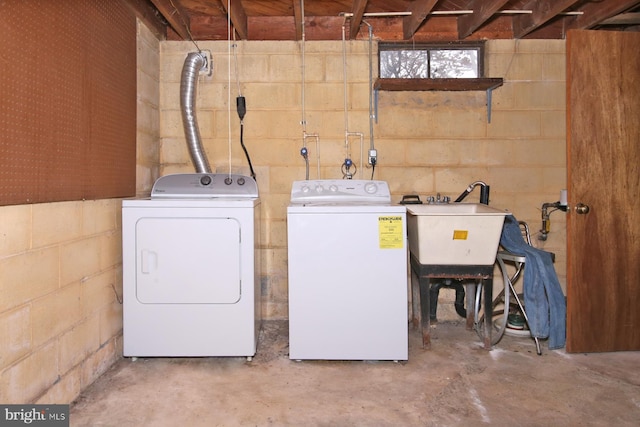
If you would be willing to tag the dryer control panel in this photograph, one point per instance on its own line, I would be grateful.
(204, 185)
(348, 191)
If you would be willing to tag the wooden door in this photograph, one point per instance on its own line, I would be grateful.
(603, 143)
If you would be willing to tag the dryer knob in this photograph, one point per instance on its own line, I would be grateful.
(240, 181)
(205, 180)
(228, 181)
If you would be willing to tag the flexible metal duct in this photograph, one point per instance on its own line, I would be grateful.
(188, 85)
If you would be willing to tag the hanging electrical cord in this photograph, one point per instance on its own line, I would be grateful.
(241, 106)
(235, 62)
(242, 109)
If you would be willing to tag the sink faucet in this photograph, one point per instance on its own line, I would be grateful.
(484, 192)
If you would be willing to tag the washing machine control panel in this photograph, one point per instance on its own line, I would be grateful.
(204, 185)
(340, 191)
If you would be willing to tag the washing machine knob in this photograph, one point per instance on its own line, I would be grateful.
(305, 189)
(240, 181)
(319, 188)
(205, 180)
(228, 181)
(333, 188)
(370, 187)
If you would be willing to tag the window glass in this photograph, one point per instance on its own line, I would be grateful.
(404, 64)
(430, 61)
(453, 63)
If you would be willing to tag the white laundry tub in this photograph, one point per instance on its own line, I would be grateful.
(454, 233)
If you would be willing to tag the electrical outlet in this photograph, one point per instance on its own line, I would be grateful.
(373, 156)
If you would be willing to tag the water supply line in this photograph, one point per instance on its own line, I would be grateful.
(546, 220)
(194, 62)
(304, 151)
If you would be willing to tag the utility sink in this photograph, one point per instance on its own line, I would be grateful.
(454, 233)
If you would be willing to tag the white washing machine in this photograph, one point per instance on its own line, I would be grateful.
(347, 272)
(191, 281)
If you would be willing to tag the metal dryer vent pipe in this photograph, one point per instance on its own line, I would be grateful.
(194, 62)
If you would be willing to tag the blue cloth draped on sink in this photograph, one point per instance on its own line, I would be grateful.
(543, 298)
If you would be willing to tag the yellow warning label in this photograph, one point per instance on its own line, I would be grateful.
(390, 232)
(460, 234)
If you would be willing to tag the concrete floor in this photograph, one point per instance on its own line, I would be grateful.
(456, 383)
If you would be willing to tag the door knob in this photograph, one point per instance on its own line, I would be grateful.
(582, 209)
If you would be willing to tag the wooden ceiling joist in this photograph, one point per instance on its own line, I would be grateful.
(596, 12)
(419, 9)
(623, 19)
(175, 15)
(391, 20)
(483, 10)
(297, 17)
(356, 19)
(543, 11)
(238, 17)
(150, 15)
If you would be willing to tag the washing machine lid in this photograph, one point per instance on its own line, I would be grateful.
(340, 192)
(204, 185)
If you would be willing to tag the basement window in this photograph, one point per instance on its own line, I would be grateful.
(431, 61)
(454, 66)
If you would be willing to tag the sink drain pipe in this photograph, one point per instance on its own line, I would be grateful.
(434, 291)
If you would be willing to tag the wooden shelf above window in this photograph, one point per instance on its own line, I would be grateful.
(438, 84)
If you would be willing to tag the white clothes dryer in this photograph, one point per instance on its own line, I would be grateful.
(191, 283)
(348, 281)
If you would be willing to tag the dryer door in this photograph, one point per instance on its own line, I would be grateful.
(188, 260)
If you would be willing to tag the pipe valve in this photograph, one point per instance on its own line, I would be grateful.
(346, 169)
(546, 221)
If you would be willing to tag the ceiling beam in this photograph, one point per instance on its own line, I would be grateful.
(238, 17)
(356, 19)
(622, 19)
(297, 17)
(542, 12)
(150, 16)
(595, 13)
(483, 10)
(175, 15)
(419, 9)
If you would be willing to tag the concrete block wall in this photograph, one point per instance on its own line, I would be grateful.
(148, 116)
(61, 275)
(427, 142)
(60, 281)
